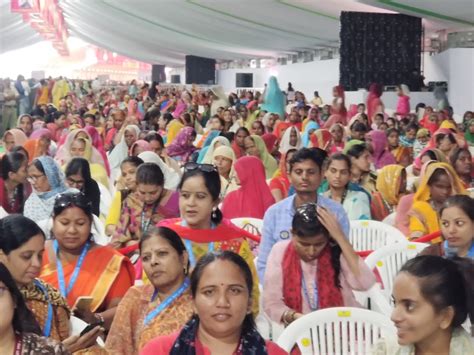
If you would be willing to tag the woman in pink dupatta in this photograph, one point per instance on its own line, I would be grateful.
(182, 146)
(374, 103)
(98, 144)
(338, 104)
(253, 197)
(381, 155)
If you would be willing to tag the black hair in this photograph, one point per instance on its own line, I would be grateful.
(379, 115)
(454, 156)
(261, 125)
(153, 136)
(339, 157)
(23, 319)
(168, 117)
(80, 166)
(318, 156)
(16, 230)
(90, 115)
(359, 127)
(229, 135)
(150, 174)
(166, 233)
(212, 181)
(316, 93)
(73, 199)
(411, 126)
(419, 105)
(135, 161)
(445, 283)
(441, 136)
(11, 163)
(20, 149)
(303, 228)
(430, 154)
(357, 150)
(57, 115)
(436, 175)
(39, 166)
(464, 202)
(392, 130)
(242, 129)
(221, 120)
(249, 322)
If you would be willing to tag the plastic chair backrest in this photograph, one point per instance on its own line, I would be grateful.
(389, 259)
(339, 330)
(250, 224)
(371, 235)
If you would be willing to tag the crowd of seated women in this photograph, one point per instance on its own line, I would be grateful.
(117, 208)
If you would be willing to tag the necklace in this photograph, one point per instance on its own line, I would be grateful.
(344, 195)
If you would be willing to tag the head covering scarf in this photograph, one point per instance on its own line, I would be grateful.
(468, 135)
(221, 101)
(41, 133)
(142, 144)
(311, 125)
(172, 178)
(321, 139)
(285, 140)
(207, 158)
(423, 192)
(211, 135)
(270, 139)
(63, 155)
(266, 120)
(120, 151)
(227, 185)
(274, 100)
(445, 131)
(253, 197)
(19, 137)
(373, 100)
(440, 157)
(352, 143)
(54, 175)
(97, 143)
(333, 119)
(381, 154)
(388, 183)
(179, 147)
(269, 162)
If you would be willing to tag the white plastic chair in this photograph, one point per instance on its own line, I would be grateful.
(251, 225)
(390, 219)
(105, 200)
(339, 330)
(388, 260)
(371, 235)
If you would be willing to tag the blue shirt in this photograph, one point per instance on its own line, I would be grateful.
(277, 225)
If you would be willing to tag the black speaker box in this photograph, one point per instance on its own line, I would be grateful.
(244, 80)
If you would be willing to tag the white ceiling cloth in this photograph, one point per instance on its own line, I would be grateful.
(164, 31)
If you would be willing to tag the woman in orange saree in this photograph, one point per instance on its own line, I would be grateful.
(77, 267)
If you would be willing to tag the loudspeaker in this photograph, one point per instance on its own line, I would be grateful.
(158, 73)
(378, 48)
(200, 70)
(176, 79)
(243, 80)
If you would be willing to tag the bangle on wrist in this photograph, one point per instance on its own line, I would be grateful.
(100, 319)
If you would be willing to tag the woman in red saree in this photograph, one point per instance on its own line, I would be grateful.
(77, 267)
(202, 226)
(374, 103)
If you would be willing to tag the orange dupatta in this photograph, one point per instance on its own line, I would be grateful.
(99, 273)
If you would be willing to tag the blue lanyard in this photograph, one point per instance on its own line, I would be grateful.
(189, 249)
(146, 223)
(315, 294)
(189, 245)
(75, 274)
(49, 320)
(449, 251)
(163, 305)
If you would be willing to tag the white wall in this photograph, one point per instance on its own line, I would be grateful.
(454, 65)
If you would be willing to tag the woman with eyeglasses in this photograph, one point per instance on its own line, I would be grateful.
(14, 189)
(150, 203)
(202, 225)
(315, 269)
(78, 267)
(221, 287)
(159, 307)
(21, 251)
(47, 181)
(19, 333)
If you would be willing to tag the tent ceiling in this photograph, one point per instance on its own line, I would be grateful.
(165, 31)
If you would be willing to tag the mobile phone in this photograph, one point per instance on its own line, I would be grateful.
(83, 303)
(89, 328)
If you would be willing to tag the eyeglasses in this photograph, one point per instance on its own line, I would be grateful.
(34, 178)
(207, 168)
(69, 199)
(308, 212)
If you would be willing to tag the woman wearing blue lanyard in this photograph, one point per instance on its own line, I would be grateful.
(146, 206)
(316, 269)
(457, 228)
(19, 332)
(21, 250)
(202, 226)
(161, 307)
